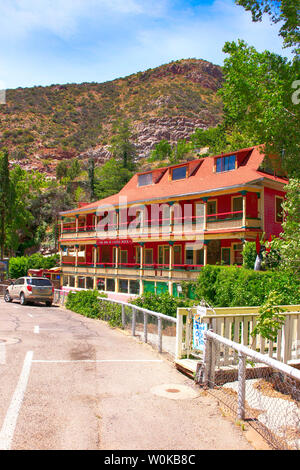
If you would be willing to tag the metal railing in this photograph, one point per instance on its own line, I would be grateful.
(260, 390)
(153, 328)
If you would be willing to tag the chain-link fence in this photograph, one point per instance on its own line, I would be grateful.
(255, 388)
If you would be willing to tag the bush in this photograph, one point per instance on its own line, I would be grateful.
(230, 286)
(87, 303)
(249, 255)
(162, 303)
(18, 266)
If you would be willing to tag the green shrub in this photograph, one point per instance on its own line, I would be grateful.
(230, 286)
(87, 303)
(18, 266)
(249, 255)
(162, 303)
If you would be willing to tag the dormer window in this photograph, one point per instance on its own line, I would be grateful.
(225, 163)
(179, 173)
(145, 179)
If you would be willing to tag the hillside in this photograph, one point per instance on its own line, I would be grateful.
(42, 125)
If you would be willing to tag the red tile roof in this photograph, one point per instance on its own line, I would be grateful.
(202, 179)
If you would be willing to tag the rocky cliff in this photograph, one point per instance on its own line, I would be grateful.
(43, 125)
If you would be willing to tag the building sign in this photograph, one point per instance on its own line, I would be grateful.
(111, 241)
(198, 331)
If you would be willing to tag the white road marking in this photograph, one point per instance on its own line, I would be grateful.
(45, 361)
(10, 421)
(36, 329)
(2, 353)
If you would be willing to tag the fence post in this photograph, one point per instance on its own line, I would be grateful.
(241, 386)
(123, 316)
(203, 370)
(212, 363)
(179, 331)
(145, 327)
(133, 322)
(159, 334)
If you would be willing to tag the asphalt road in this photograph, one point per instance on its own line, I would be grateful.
(69, 382)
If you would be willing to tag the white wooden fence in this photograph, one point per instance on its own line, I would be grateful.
(237, 325)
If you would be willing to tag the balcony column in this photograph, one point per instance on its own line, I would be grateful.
(117, 222)
(141, 257)
(259, 208)
(62, 225)
(117, 257)
(171, 205)
(171, 265)
(95, 256)
(171, 258)
(205, 199)
(205, 249)
(76, 255)
(141, 268)
(244, 194)
(61, 255)
(76, 223)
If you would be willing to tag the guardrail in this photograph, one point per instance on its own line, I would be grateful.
(140, 322)
(153, 327)
(262, 391)
(237, 325)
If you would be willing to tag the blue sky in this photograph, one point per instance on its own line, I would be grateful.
(74, 41)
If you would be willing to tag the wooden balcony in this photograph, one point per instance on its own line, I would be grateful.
(180, 228)
(178, 272)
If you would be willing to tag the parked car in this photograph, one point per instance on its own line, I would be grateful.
(30, 289)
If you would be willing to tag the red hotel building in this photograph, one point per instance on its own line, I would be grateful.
(165, 224)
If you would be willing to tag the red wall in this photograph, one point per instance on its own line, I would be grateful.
(271, 227)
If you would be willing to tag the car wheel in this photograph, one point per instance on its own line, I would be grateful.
(48, 304)
(22, 299)
(7, 297)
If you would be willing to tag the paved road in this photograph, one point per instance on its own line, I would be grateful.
(69, 382)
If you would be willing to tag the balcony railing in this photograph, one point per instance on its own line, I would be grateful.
(129, 266)
(184, 225)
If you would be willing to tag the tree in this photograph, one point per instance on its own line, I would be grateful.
(180, 151)
(6, 199)
(285, 11)
(161, 151)
(91, 178)
(74, 169)
(257, 97)
(62, 170)
(122, 146)
(110, 178)
(288, 245)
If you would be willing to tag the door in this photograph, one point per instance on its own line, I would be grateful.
(17, 288)
(226, 256)
(237, 206)
(164, 256)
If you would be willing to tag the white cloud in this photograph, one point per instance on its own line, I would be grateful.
(203, 35)
(20, 17)
(104, 39)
